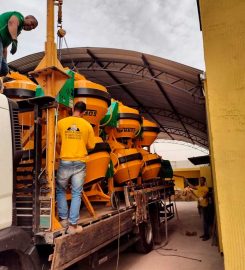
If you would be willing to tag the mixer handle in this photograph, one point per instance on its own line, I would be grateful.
(114, 158)
(138, 132)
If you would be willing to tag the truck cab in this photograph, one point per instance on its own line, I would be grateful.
(6, 164)
(16, 249)
(26, 214)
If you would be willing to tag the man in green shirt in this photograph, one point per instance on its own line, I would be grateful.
(11, 25)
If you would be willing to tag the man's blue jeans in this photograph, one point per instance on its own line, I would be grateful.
(76, 171)
(3, 63)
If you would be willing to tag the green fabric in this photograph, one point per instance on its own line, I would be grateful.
(66, 93)
(39, 91)
(110, 119)
(110, 170)
(4, 32)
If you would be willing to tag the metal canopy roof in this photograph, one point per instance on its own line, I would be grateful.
(164, 91)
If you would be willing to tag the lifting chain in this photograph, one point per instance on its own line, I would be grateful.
(61, 32)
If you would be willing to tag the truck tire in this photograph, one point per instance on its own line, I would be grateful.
(17, 251)
(145, 244)
(155, 223)
(9, 260)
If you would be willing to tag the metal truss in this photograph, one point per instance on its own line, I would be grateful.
(165, 95)
(182, 133)
(125, 89)
(143, 71)
(159, 77)
(194, 146)
(169, 114)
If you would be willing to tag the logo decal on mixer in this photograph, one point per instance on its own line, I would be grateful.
(125, 130)
(90, 113)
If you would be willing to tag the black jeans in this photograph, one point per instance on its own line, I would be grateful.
(205, 219)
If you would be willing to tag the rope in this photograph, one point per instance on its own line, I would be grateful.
(141, 204)
(69, 52)
(119, 235)
(180, 256)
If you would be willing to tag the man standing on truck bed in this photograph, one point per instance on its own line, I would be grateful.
(75, 136)
(11, 24)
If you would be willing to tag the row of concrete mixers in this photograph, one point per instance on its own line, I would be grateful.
(121, 156)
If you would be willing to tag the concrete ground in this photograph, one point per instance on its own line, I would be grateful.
(182, 252)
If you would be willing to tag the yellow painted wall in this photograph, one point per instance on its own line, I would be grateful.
(195, 172)
(187, 173)
(178, 183)
(206, 172)
(223, 26)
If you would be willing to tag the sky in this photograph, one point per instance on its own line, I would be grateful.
(164, 28)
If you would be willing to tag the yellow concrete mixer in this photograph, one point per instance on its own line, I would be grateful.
(126, 159)
(127, 164)
(97, 101)
(151, 162)
(20, 87)
(95, 96)
(149, 132)
(128, 124)
(151, 165)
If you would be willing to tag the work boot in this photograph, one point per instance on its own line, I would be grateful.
(74, 228)
(64, 223)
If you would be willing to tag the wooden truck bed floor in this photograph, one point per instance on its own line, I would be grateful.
(101, 210)
(97, 233)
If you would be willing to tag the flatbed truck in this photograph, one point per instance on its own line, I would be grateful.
(24, 239)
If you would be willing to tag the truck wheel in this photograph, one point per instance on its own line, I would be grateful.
(155, 223)
(10, 261)
(145, 244)
(115, 200)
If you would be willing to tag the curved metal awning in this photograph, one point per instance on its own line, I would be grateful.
(164, 91)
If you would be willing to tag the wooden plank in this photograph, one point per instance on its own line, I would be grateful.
(72, 248)
(101, 211)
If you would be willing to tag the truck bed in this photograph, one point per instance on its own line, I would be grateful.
(97, 233)
(102, 211)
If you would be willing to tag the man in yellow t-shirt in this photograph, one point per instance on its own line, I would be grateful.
(75, 136)
(202, 195)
